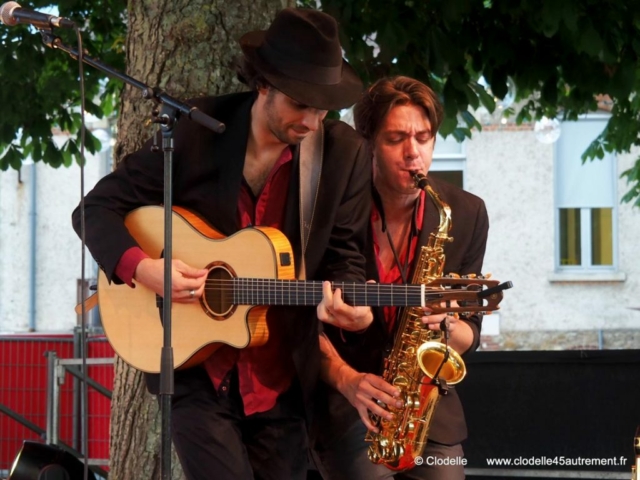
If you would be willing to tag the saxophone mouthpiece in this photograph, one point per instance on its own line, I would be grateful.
(420, 179)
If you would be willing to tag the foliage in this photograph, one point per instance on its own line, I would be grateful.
(560, 54)
(40, 87)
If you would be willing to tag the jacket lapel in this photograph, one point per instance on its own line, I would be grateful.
(229, 155)
(291, 224)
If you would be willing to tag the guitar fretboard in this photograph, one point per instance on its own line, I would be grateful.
(259, 291)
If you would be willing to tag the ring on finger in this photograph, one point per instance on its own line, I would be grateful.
(192, 293)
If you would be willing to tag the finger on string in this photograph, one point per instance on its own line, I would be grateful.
(327, 293)
(338, 303)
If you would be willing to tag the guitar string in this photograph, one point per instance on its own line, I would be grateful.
(349, 287)
(313, 286)
(317, 283)
(358, 293)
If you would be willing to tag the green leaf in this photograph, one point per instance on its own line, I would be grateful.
(52, 155)
(488, 101)
(471, 121)
(92, 144)
(460, 133)
(551, 17)
(448, 125)
(11, 158)
(589, 41)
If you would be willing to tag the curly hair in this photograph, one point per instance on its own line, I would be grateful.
(386, 93)
(248, 74)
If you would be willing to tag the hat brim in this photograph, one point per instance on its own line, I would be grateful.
(324, 97)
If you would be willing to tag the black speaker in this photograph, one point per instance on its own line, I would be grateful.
(38, 461)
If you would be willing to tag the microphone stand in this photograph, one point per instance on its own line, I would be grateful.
(167, 117)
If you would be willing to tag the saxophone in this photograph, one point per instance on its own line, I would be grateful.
(419, 364)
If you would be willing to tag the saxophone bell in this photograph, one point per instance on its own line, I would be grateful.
(436, 358)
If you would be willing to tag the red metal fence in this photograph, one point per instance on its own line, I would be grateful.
(24, 392)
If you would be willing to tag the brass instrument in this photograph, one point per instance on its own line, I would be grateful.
(419, 364)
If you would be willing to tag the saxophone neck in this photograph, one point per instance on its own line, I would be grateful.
(444, 209)
(445, 214)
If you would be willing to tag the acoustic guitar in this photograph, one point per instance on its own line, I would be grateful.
(248, 272)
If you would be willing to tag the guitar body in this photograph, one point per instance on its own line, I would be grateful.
(131, 317)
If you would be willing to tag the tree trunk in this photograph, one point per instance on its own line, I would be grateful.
(185, 48)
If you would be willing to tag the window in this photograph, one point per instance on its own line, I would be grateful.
(449, 160)
(585, 200)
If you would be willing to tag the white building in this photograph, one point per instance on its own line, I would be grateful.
(40, 254)
(558, 232)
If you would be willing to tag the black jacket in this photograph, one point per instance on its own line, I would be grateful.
(207, 177)
(365, 352)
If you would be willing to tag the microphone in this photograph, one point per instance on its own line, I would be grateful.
(11, 13)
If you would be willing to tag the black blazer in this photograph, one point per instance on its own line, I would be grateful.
(365, 352)
(207, 177)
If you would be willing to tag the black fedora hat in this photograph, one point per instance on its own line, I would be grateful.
(300, 55)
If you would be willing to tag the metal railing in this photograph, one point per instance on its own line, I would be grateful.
(41, 396)
(57, 369)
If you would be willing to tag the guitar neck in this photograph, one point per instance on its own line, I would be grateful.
(259, 291)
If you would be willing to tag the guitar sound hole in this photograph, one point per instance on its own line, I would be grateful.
(218, 294)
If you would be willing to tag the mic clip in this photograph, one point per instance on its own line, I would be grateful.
(444, 328)
(443, 386)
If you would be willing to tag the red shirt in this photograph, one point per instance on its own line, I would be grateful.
(393, 275)
(267, 371)
(263, 372)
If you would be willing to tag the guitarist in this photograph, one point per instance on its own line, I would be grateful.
(400, 118)
(243, 413)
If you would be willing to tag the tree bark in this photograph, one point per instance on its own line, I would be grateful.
(184, 47)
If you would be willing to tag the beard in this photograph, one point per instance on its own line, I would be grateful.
(286, 134)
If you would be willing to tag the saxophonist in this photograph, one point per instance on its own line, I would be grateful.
(399, 118)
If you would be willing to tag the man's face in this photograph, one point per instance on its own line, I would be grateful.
(289, 121)
(404, 143)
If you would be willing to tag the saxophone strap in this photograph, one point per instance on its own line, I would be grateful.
(403, 268)
(413, 232)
